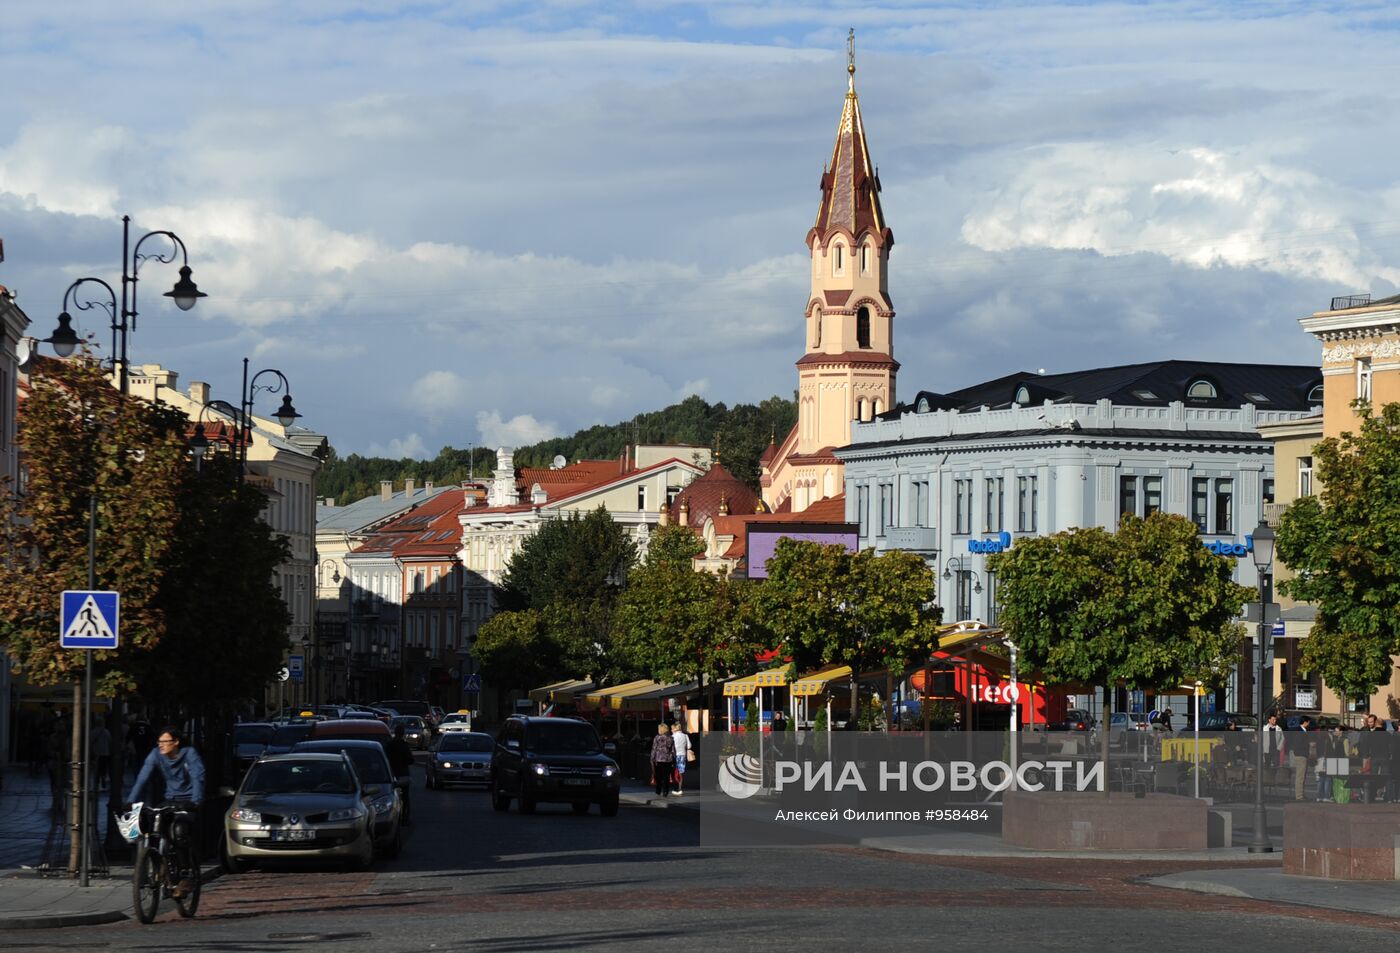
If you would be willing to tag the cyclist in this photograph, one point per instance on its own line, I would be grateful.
(182, 770)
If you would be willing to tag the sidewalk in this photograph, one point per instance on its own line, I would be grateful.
(1256, 876)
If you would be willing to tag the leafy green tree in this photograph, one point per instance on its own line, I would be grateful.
(1148, 605)
(858, 609)
(514, 649)
(675, 624)
(1344, 547)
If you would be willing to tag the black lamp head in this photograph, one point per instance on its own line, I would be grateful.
(64, 339)
(186, 292)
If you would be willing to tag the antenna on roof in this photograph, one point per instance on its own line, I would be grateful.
(559, 462)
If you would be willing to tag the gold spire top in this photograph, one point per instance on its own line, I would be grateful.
(851, 56)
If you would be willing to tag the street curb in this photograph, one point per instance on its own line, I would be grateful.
(1202, 886)
(207, 874)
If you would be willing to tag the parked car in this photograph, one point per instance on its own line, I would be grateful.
(457, 721)
(415, 732)
(1076, 719)
(287, 735)
(556, 760)
(1221, 721)
(299, 806)
(461, 757)
(1120, 723)
(1319, 722)
(376, 781)
(250, 740)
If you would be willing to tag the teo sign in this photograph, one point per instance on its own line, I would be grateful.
(996, 694)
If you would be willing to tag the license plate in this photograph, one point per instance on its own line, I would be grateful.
(577, 782)
(293, 835)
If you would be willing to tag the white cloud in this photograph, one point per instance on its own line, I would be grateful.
(410, 446)
(697, 387)
(520, 430)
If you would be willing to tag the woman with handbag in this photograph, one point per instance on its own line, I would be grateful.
(663, 760)
(684, 754)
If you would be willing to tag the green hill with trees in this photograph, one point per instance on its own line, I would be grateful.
(741, 433)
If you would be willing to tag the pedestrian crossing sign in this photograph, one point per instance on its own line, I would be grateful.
(88, 620)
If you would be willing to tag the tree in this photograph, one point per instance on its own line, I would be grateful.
(858, 609)
(1344, 547)
(514, 649)
(674, 624)
(1148, 605)
(81, 442)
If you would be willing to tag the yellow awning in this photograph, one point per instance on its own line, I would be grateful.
(652, 700)
(541, 694)
(598, 697)
(814, 683)
(615, 700)
(741, 687)
(961, 634)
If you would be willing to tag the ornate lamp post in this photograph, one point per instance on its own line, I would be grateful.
(1263, 562)
(185, 294)
(242, 415)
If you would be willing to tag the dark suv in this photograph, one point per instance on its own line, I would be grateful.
(557, 760)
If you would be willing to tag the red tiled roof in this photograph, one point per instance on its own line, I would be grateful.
(850, 187)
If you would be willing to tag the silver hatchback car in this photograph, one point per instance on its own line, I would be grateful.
(300, 806)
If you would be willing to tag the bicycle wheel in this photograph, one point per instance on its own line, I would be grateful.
(146, 883)
(187, 902)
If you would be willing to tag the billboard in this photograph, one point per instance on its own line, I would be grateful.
(763, 539)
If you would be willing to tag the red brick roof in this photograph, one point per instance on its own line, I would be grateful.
(861, 358)
(707, 491)
(850, 187)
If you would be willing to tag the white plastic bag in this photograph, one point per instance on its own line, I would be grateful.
(130, 823)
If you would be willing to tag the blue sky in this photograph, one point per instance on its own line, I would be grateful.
(456, 223)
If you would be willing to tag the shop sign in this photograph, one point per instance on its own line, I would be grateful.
(1000, 543)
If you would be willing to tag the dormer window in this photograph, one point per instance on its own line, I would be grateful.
(922, 406)
(1315, 395)
(1201, 390)
(1256, 398)
(1023, 396)
(1143, 393)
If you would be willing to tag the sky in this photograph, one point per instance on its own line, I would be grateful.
(455, 223)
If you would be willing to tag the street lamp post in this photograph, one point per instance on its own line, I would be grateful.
(242, 415)
(956, 564)
(185, 293)
(1263, 560)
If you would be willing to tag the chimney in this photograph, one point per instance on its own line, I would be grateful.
(199, 392)
(468, 498)
(407, 488)
(503, 489)
(427, 487)
(386, 489)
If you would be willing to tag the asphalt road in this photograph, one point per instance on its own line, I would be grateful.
(472, 879)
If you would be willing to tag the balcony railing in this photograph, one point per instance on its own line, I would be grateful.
(1346, 302)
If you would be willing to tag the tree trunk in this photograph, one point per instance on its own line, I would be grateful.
(853, 724)
(75, 803)
(1107, 721)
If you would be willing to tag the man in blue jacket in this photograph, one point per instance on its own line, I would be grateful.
(182, 770)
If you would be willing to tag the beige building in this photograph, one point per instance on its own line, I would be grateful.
(282, 461)
(13, 323)
(634, 490)
(847, 371)
(1360, 341)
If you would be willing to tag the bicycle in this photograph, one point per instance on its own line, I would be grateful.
(165, 859)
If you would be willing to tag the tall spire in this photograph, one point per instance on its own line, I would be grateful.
(850, 187)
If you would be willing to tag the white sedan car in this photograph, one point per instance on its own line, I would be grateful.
(457, 721)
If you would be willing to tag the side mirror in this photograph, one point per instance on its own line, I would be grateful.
(513, 745)
(609, 748)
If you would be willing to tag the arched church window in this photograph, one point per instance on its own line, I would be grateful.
(860, 409)
(865, 259)
(878, 408)
(863, 327)
(838, 262)
(816, 327)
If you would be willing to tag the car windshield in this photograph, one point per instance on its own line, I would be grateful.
(299, 777)
(252, 734)
(289, 735)
(370, 763)
(562, 738)
(407, 721)
(461, 742)
(454, 719)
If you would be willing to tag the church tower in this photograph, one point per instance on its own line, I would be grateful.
(847, 371)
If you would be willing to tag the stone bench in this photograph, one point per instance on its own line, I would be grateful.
(1090, 821)
(1342, 841)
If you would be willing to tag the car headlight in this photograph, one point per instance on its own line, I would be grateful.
(540, 769)
(248, 817)
(384, 805)
(609, 770)
(344, 814)
(447, 764)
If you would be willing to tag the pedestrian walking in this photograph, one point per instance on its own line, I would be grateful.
(663, 760)
(680, 741)
(1301, 752)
